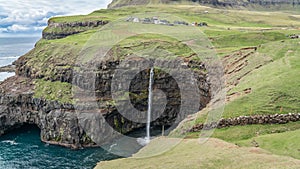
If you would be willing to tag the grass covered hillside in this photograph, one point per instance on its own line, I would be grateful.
(261, 64)
(214, 153)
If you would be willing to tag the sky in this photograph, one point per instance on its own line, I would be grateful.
(29, 17)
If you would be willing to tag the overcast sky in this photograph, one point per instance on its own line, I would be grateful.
(28, 17)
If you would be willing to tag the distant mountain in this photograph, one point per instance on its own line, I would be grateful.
(220, 3)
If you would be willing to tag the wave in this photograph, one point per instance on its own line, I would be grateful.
(34, 146)
(11, 142)
(9, 57)
(112, 146)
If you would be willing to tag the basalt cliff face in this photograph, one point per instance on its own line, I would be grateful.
(57, 121)
(79, 124)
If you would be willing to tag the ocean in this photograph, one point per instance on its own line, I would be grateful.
(22, 148)
(11, 48)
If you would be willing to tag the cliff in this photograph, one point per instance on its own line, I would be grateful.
(57, 121)
(60, 30)
(30, 98)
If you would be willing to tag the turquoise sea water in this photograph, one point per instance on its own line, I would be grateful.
(22, 148)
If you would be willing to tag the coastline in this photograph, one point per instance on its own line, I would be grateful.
(71, 146)
(8, 68)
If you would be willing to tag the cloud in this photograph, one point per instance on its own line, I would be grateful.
(3, 29)
(17, 28)
(25, 16)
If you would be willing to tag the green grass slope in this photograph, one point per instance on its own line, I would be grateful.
(212, 154)
(274, 86)
(286, 143)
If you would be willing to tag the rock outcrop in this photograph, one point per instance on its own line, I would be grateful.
(8, 68)
(56, 30)
(57, 121)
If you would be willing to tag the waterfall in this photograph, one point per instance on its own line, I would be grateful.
(146, 140)
(149, 104)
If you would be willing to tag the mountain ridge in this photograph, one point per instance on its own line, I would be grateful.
(215, 3)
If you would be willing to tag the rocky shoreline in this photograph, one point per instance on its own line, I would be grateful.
(8, 68)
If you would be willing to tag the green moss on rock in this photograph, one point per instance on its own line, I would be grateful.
(57, 91)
